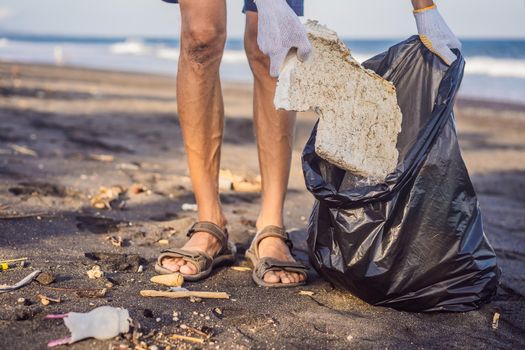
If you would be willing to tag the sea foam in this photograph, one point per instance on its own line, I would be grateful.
(495, 67)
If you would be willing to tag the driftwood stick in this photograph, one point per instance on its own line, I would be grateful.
(183, 337)
(184, 294)
(13, 260)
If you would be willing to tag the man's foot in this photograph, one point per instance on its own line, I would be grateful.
(276, 248)
(200, 241)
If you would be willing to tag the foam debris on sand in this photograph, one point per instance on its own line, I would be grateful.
(359, 115)
(104, 322)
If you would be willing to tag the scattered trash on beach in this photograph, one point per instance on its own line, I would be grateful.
(117, 241)
(102, 323)
(106, 158)
(189, 207)
(184, 294)
(109, 198)
(495, 320)
(46, 300)
(247, 186)
(170, 280)
(225, 184)
(95, 272)
(23, 282)
(137, 188)
(45, 278)
(306, 292)
(231, 181)
(6, 266)
(9, 261)
(184, 337)
(218, 313)
(240, 268)
(23, 301)
(128, 166)
(206, 334)
(26, 151)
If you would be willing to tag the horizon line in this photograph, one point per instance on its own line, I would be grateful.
(161, 37)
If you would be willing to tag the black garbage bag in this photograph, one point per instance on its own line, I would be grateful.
(414, 242)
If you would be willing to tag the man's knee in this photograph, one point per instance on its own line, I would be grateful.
(203, 44)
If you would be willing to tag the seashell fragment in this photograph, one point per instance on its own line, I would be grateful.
(170, 280)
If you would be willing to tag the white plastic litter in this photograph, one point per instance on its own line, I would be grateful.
(25, 281)
(102, 323)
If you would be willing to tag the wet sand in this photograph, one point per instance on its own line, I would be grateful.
(66, 132)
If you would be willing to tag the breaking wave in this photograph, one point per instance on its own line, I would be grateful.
(495, 67)
(229, 56)
(130, 47)
(476, 65)
(484, 65)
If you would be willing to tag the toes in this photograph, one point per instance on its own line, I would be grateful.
(294, 277)
(271, 277)
(188, 269)
(180, 262)
(170, 264)
(285, 278)
(298, 277)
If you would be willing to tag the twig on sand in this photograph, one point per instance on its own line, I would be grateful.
(196, 331)
(45, 300)
(183, 337)
(13, 260)
(184, 294)
(241, 268)
(23, 150)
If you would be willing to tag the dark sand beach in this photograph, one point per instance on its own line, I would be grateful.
(66, 132)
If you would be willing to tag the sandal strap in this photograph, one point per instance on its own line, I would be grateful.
(201, 260)
(273, 231)
(213, 229)
(271, 264)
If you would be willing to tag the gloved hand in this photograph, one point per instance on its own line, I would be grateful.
(280, 30)
(435, 34)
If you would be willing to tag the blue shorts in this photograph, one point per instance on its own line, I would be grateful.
(249, 5)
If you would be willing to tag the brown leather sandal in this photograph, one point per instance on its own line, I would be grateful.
(263, 265)
(202, 261)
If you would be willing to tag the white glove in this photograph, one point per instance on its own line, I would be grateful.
(280, 30)
(435, 34)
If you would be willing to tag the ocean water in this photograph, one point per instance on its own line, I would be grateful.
(495, 69)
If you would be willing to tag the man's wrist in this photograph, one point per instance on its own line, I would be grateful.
(423, 5)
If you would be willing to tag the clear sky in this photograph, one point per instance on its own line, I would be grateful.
(350, 18)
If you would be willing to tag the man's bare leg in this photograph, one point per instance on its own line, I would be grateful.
(275, 131)
(201, 114)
